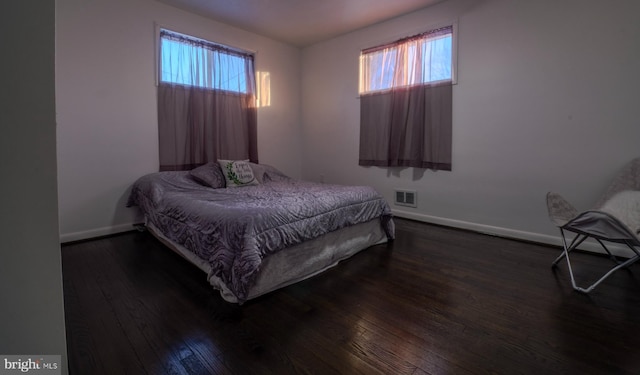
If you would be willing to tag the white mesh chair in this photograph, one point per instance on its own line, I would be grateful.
(615, 219)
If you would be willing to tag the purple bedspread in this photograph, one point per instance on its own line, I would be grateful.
(233, 229)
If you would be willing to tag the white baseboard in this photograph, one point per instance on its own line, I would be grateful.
(480, 228)
(511, 233)
(98, 232)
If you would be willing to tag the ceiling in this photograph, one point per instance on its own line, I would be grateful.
(300, 22)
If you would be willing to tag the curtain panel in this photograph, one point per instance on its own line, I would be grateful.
(197, 125)
(407, 127)
(206, 103)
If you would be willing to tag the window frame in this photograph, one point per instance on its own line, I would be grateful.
(454, 52)
(158, 49)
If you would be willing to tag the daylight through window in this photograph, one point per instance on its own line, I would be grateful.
(190, 61)
(426, 58)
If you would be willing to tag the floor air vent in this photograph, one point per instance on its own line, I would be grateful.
(406, 198)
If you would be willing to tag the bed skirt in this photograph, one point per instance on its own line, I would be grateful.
(295, 263)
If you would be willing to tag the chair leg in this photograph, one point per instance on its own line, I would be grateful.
(577, 240)
(611, 256)
(574, 244)
(611, 271)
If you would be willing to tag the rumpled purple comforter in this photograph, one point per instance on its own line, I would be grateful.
(233, 229)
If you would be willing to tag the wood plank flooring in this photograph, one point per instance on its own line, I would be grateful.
(435, 301)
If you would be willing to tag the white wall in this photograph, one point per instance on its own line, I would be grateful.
(106, 104)
(31, 312)
(546, 100)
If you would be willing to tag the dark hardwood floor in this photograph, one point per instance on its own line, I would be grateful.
(435, 301)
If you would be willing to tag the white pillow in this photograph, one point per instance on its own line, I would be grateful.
(238, 173)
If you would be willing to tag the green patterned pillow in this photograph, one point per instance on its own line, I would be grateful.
(238, 173)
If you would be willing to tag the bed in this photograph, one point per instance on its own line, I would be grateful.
(252, 229)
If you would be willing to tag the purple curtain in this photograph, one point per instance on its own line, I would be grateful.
(407, 127)
(206, 103)
(198, 125)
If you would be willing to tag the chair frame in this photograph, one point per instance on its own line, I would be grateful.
(579, 238)
(601, 223)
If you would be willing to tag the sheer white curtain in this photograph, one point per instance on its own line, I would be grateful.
(406, 102)
(206, 103)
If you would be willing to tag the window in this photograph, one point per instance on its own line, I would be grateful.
(406, 102)
(206, 102)
(426, 58)
(186, 60)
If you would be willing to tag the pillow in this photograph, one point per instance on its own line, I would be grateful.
(238, 173)
(258, 172)
(209, 174)
(273, 174)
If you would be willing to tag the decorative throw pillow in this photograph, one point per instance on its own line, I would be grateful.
(209, 174)
(238, 173)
